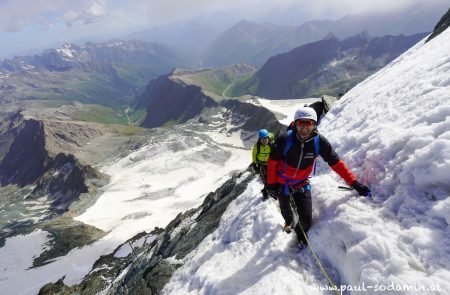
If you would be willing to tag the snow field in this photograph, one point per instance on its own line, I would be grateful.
(248, 254)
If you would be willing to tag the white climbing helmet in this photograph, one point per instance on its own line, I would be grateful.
(305, 113)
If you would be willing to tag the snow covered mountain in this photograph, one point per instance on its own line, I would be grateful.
(101, 73)
(393, 131)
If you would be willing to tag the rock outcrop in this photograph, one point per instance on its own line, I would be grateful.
(441, 26)
(171, 102)
(64, 180)
(9, 129)
(39, 153)
(250, 117)
(27, 157)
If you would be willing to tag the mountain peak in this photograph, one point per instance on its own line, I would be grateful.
(68, 45)
(68, 51)
(330, 36)
(244, 22)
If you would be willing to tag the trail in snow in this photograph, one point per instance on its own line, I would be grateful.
(249, 254)
(394, 131)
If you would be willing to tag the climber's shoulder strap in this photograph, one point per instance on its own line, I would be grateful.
(288, 143)
(317, 145)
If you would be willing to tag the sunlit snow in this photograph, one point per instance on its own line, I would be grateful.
(393, 131)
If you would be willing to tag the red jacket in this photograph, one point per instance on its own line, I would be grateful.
(298, 163)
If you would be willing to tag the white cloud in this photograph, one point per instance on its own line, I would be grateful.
(16, 15)
(31, 24)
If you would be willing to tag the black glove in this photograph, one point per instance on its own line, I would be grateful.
(362, 189)
(272, 190)
(255, 167)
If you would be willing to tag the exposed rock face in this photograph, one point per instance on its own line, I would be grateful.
(9, 129)
(254, 117)
(39, 154)
(147, 268)
(27, 158)
(40, 179)
(168, 101)
(441, 26)
(64, 180)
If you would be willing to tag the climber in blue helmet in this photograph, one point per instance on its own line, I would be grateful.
(260, 155)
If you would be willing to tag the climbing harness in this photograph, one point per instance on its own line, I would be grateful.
(290, 183)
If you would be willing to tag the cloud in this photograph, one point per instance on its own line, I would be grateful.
(18, 15)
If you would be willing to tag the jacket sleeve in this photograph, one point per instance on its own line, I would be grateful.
(274, 158)
(338, 166)
(255, 150)
(342, 170)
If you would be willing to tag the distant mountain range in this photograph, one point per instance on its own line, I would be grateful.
(253, 43)
(192, 35)
(328, 66)
(100, 73)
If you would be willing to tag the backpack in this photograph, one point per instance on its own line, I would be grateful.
(287, 147)
(289, 142)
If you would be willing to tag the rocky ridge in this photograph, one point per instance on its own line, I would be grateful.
(145, 263)
(39, 176)
(169, 102)
(441, 26)
(183, 95)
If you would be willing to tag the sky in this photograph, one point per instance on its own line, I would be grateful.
(28, 25)
(392, 130)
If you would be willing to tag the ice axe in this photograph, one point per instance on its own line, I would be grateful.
(345, 188)
(350, 189)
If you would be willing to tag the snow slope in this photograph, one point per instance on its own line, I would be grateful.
(286, 107)
(393, 131)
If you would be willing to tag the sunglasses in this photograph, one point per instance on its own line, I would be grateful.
(299, 123)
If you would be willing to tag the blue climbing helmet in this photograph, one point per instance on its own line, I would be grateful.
(263, 133)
